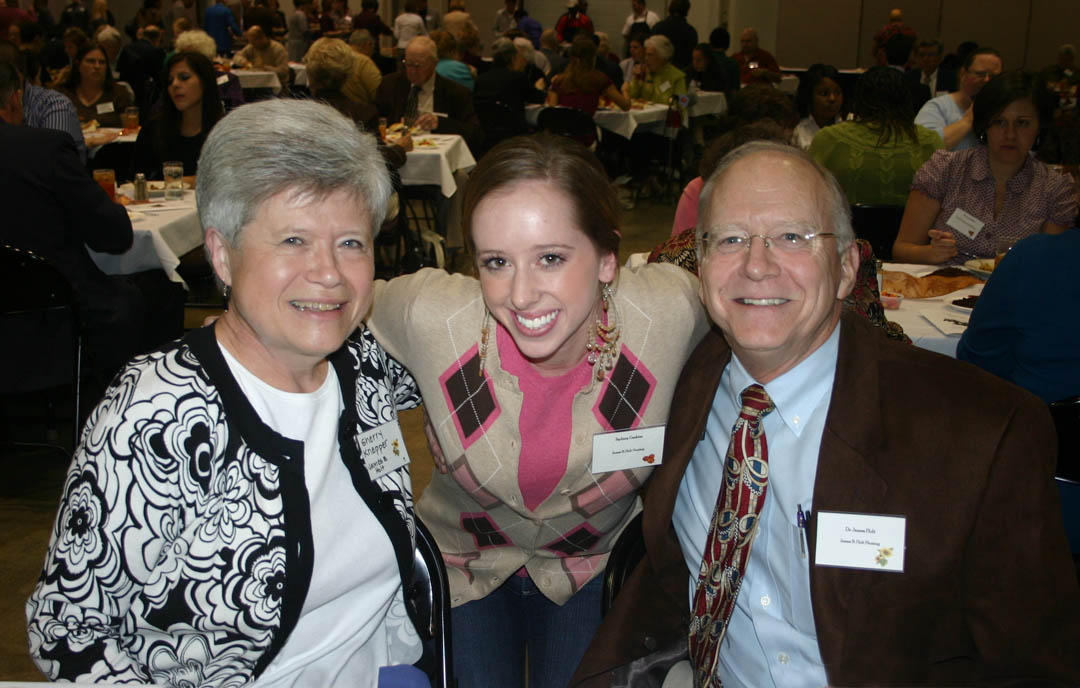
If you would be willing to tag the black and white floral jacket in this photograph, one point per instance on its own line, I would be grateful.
(182, 551)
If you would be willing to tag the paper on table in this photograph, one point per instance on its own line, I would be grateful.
(938, 320)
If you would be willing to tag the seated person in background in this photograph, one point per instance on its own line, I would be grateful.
(875, 155)
(417, 93)
(56, 210)
(963, 204)
(755, 64)
(139, 64)
(189, 110)
(42, 107)
(505, 82)
(898, 51)
(533, 62)
(636, 47)
(198, 41)
(368, 75)
(331, 70)
(111, 41)
(747, 567)
(705, 73)
(368, 18)
(549, 45)
(656, 80)
(265, 18)
(91, 88)
(1022, 328)
(819, 100)
(248, 431)
(720, 40)
(929, 72)
(450, 64)
(951, 115)
(581, 85)
(262, 52)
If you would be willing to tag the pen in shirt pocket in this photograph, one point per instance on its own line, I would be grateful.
(801, 518)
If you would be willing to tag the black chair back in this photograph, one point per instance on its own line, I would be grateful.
(42, 342)
(1066, 414)
(499, 121)
(878, 224)
(428, 602)
(629, 549)
(567, 121)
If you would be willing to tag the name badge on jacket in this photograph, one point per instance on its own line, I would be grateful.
(637, 448)
(383, 449)
(860, 541)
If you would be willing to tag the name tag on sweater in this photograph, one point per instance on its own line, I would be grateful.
(383, 449)
(105, 108)
(860, 541)
(637, 448)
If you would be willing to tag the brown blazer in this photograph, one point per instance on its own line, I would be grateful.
(450, 98)
(989, 593)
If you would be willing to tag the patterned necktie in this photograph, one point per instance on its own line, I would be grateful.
(731, 533)
(411, 105)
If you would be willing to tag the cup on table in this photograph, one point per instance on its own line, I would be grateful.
(130, 118)
(382, 128)
(106, 179)
(173, 174)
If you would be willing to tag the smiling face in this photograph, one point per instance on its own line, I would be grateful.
(1012, 133)
(539, 273)
(983, 69)
(775, 308)
(300, 275)
(185, 89)
(92, 68)
(827, 101)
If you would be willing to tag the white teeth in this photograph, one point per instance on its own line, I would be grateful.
(536, 323)
(763, 302)
(315, 306)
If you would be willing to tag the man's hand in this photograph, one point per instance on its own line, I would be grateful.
(427, 122)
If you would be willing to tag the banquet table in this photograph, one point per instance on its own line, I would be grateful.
(163, 231)
(435, 164)
(924, 319)
(92, 138)
(258, 78)
(651, 117)
(299, 73)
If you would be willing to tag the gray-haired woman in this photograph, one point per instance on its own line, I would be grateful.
(240, 506)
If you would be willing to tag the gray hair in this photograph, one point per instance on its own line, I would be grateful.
(525, 48)
(503, 51)
(1067, 49)
(360, 37)
(196, 41)
(282, 144)
(838, 211)
(108, 35)
(662, 45)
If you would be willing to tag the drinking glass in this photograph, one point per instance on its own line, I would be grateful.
(130, 118)
(173, 174)
(106, 179)
(382, 128)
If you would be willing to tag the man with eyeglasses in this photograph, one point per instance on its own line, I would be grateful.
(951, 115)
(833, 507)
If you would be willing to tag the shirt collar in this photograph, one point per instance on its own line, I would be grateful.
(429, 85)
(797, 392)
(980, 171)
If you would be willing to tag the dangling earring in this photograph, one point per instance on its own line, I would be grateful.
(226, 294)
(485, 330)
(602, 345)
(982, 137)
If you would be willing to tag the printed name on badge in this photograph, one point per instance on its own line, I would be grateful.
(860, 541)
(383, 449)
(105, 108)
(637, 448)
(965, 223)
(223, 79)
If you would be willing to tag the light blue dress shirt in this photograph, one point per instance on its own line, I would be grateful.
(938, 113)
(771, 639)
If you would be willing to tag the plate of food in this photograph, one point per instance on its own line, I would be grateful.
(981, 267)
(425, 143)
(964, 305)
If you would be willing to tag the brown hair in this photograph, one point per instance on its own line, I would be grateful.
(566, 165)
(581, 74)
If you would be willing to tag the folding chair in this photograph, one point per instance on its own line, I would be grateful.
(428, 601)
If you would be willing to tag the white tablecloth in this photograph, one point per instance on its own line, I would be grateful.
(92, 149)
(299, 73)
(436, 165)
(707, 103)
(258, 78)
(913, 313)
(164, 231)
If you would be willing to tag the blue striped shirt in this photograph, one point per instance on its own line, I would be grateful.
(48, 109)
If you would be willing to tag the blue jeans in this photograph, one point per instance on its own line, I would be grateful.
(491, 635)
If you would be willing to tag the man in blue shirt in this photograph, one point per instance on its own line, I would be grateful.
(905, 528)
(220, 23)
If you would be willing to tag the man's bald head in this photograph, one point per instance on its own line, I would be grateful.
(748, 39)
(896, 16)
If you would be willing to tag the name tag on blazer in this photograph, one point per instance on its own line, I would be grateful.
(623, 449)
(383, 449)
(860, 541)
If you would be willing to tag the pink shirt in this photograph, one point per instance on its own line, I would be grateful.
(962, 179)
(545, 422)
(686, 212)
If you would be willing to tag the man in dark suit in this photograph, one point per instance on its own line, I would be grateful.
(505, 82)
(841, 509)
(928, 56)
(681, 34)
(54, 208)
(440, 104)
(897, 54)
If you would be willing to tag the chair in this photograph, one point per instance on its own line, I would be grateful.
(499, 121)
(1066, 415)
(570, 122)
(629, 549)
(878, 224)
(421, 213)
(42, 343)
(428, 601)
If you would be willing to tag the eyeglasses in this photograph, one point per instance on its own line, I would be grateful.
(731, 242)
(412, 65)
